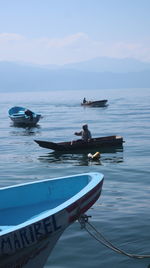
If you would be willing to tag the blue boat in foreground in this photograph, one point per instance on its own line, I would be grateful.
(34, 215)
(23, 116)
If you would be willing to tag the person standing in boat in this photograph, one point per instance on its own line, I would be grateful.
(84, 100)
(85, 133)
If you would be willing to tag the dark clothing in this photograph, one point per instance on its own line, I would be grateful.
(86, 135)
(29, 113)
(84, 100)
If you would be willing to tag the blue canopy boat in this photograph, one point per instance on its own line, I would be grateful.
(23, 116)
(34, 215)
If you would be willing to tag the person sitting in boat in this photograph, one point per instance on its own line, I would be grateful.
(85, 133)
(84, 100)
(29, 113)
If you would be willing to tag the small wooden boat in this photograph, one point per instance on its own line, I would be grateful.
(22, 116)
(80, 145)
(34, 215)
(99, 103)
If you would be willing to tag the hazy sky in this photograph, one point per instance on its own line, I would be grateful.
(65, 31)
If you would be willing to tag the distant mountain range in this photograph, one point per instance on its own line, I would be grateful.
(99, 73)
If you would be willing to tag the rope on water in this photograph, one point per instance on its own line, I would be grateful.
(83, 220)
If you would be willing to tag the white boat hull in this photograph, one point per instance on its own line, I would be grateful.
(24, 120)
(22, 116)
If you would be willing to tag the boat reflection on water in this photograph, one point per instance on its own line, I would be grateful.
(24, 126)
(68, 159)
(25, 130)
(113, 155)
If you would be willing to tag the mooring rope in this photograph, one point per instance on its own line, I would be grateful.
(83, 220)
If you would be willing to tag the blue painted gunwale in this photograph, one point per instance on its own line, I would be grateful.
(22, 198)
(27, 238)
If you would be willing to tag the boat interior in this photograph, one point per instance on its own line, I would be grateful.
(32, 200)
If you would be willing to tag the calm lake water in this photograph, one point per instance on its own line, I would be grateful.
(122, 214)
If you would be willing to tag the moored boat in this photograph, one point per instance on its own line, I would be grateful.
(99, 103)
(34, 215)
(22, 116)
(80, 145)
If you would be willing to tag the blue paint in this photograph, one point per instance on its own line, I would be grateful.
(41, 214)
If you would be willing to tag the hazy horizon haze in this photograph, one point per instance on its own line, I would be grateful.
(68, 31)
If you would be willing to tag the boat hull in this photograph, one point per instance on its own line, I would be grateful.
(19, 118)
(100, 103)
(30, 227)
(102, 143)
(34, 256)
(22, 120)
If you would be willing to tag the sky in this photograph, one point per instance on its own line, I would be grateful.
(67, 31)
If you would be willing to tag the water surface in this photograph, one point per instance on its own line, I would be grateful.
(122, 212)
